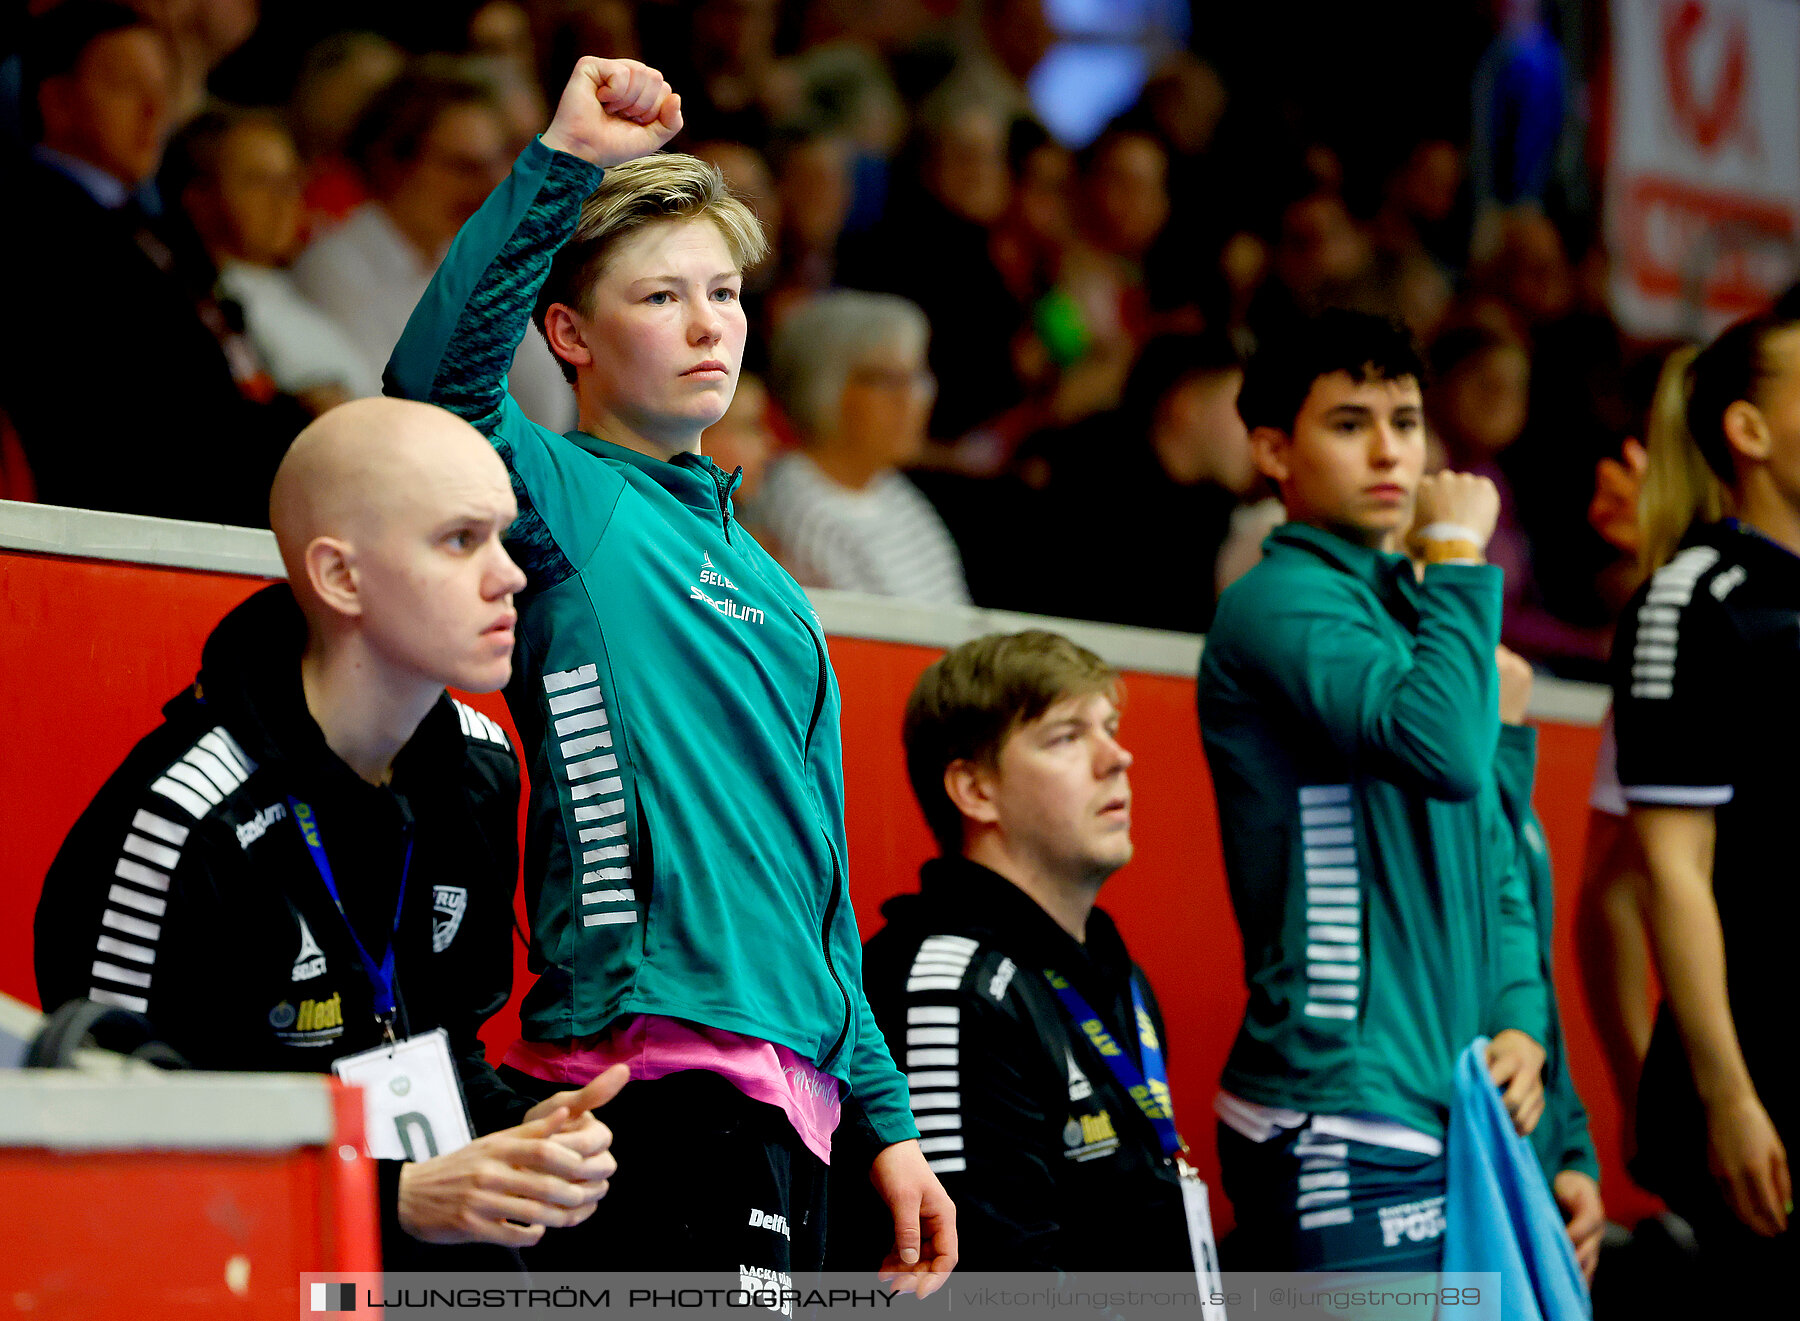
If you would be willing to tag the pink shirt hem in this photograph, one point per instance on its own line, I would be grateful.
(654, 1047)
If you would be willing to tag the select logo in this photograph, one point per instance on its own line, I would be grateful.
(331, 1297)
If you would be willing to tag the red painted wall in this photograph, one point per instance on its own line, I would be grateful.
(89, 651)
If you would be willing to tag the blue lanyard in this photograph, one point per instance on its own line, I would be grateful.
(381, 976)
(1150, 1092)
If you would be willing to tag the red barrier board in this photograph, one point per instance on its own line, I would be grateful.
(90, 650)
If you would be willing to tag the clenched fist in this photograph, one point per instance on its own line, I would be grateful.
(1458, 500)
(613, 111)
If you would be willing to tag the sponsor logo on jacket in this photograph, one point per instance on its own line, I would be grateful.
(248, 832)
(310, 961)
(746, 614)
(1089, 1136)
(770, 1221)
(1413, 1221)
(710, 574)
(311, 1022)
(448, 904)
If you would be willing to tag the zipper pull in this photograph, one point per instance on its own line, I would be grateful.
(726, 486)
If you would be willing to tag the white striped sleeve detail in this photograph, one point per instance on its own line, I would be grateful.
(112, 972)
(197, 784)
(150, 851)
(138, 874)
(932, 1058)
(478, 726)
(124, 949)
(933, 1014)
(142, 902)
(1327, 819)
(131, 926)
(1680, 795)
(563, 680)
(1658, 641)
(575, 701)
(182, 796)
(581, 720)
(595, 791)
(208, 764)
(135, 1003)
(213, 767)
(167, 831)
(223, 746)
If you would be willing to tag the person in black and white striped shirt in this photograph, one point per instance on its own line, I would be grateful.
(849, 371)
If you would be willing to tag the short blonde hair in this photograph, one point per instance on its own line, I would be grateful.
(661, 187)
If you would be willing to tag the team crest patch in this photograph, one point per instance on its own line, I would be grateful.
(448, 904)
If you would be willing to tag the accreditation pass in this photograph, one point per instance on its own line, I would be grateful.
(412, 1102)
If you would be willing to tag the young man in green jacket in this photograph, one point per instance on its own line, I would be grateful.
(1350, 721)
(685, 851)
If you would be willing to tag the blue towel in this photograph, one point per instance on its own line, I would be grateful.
(1499, 1213)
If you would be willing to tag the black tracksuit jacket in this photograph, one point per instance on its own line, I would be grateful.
(185, 891)
(1050, 1162)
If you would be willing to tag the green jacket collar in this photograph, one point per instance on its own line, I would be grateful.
(693, 479)
(1377, 568)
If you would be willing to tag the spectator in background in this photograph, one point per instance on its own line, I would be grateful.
(1519, 109)
(174, 414)
(201, 34)
(849, 371)
(238, 177)
(933, 247)
(500, 31)
(1321, 258)
(1477, 408)
(722, 52)
(1579, 411)
(1175, 454)
(846, 88)
(337, 80)
(813, 192)
(431, 144)
(1121, 206)
(1419, 206)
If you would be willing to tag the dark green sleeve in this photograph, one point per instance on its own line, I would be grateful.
(460, 341)
(1566, 1143)
(1426, 720)
(461, 338)
(1522, 997)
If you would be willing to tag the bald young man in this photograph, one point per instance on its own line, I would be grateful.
(317, 848)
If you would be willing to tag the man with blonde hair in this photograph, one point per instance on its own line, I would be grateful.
(1022, 1022)
(314, 856)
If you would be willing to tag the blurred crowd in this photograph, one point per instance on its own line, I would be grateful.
(988, 361)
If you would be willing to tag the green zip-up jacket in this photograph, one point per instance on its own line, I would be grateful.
(685, 849)
(1561, 1139)
(1350, 715)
